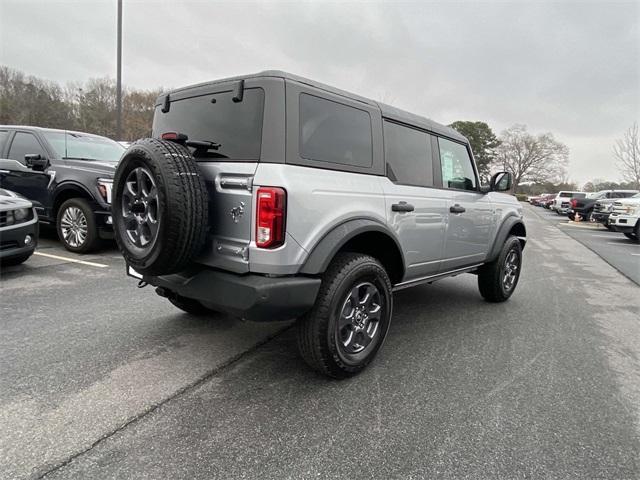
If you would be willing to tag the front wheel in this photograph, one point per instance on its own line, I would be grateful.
(497, 280)
(76, 225)
(346, 327)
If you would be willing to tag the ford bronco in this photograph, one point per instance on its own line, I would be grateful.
(273, 197)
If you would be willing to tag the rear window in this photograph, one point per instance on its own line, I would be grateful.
(335, 133)
(216, 118)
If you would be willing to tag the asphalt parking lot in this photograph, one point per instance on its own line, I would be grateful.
(100, 379)
(616, 249)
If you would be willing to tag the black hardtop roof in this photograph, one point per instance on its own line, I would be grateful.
(388, 111)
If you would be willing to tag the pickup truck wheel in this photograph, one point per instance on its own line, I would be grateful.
(189, 305)
(160, 209)
(630, 236)
(497, 280)
(572, 216)
(346, 327)
(76, 226)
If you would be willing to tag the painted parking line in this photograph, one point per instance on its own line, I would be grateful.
(623, 244)
(73, 260)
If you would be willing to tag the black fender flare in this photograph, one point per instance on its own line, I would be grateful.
(324, 251)
(502, 234)
(66, 186)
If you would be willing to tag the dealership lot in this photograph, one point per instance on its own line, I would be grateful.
(102, 380)
(613, 247)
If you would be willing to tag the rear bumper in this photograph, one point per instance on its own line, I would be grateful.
(251, 297)
(12, 239)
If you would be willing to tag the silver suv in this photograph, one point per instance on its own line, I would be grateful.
(275, 197)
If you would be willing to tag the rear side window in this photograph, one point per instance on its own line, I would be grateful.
(457, 169)
(335, 133)
(24, 144)
(216, 118)
(407, 153)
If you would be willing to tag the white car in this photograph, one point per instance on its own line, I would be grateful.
(562, 203)
(625, 217)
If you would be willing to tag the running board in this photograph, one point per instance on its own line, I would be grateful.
(433, 278)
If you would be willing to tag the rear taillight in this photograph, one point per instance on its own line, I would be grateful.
(574, 202)
(271, 213)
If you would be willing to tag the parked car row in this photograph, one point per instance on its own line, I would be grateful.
(67, 176)
(617, 210)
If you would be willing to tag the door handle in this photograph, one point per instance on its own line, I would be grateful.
(402, 207)
(457, 209)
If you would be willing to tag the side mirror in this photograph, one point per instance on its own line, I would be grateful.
(501, 182)
(36, 162)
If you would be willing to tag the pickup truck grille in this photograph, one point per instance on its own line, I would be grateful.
(618, 208)
(598, 207)
(565, 205)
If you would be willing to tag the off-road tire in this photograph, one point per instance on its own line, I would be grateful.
(316, 331)
(189, 305)
(182, 206)
(490, 275)
(92, 240)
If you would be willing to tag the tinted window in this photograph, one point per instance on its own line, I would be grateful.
(457, 169)
(3, 138)
(335, 133)
(407, 153)
(236, 126)
(24, 144)
(84, 147)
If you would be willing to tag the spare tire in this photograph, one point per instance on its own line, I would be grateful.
(159, 205)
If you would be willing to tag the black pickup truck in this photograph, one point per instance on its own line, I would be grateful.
(67, 175)
(584, 206)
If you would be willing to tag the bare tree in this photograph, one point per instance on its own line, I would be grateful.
(627, 153)
(537, 158)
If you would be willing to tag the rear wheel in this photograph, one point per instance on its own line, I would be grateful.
(345, 329)
(497, 280)
(76, 225)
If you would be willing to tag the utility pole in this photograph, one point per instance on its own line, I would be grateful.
(119, 76)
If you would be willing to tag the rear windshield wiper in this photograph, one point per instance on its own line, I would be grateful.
(202, 148)
(203, 144)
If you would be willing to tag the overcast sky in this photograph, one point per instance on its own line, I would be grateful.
(571, 68)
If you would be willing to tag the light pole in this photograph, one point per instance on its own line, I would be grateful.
(119, 76)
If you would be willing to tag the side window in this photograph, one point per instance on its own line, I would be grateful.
(24, 144)
(335, 133)
(3, 138)
(407, 153)
(457, 169)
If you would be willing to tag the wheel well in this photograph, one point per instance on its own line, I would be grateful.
(519, 231)
(67, 194)
(381, 247)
